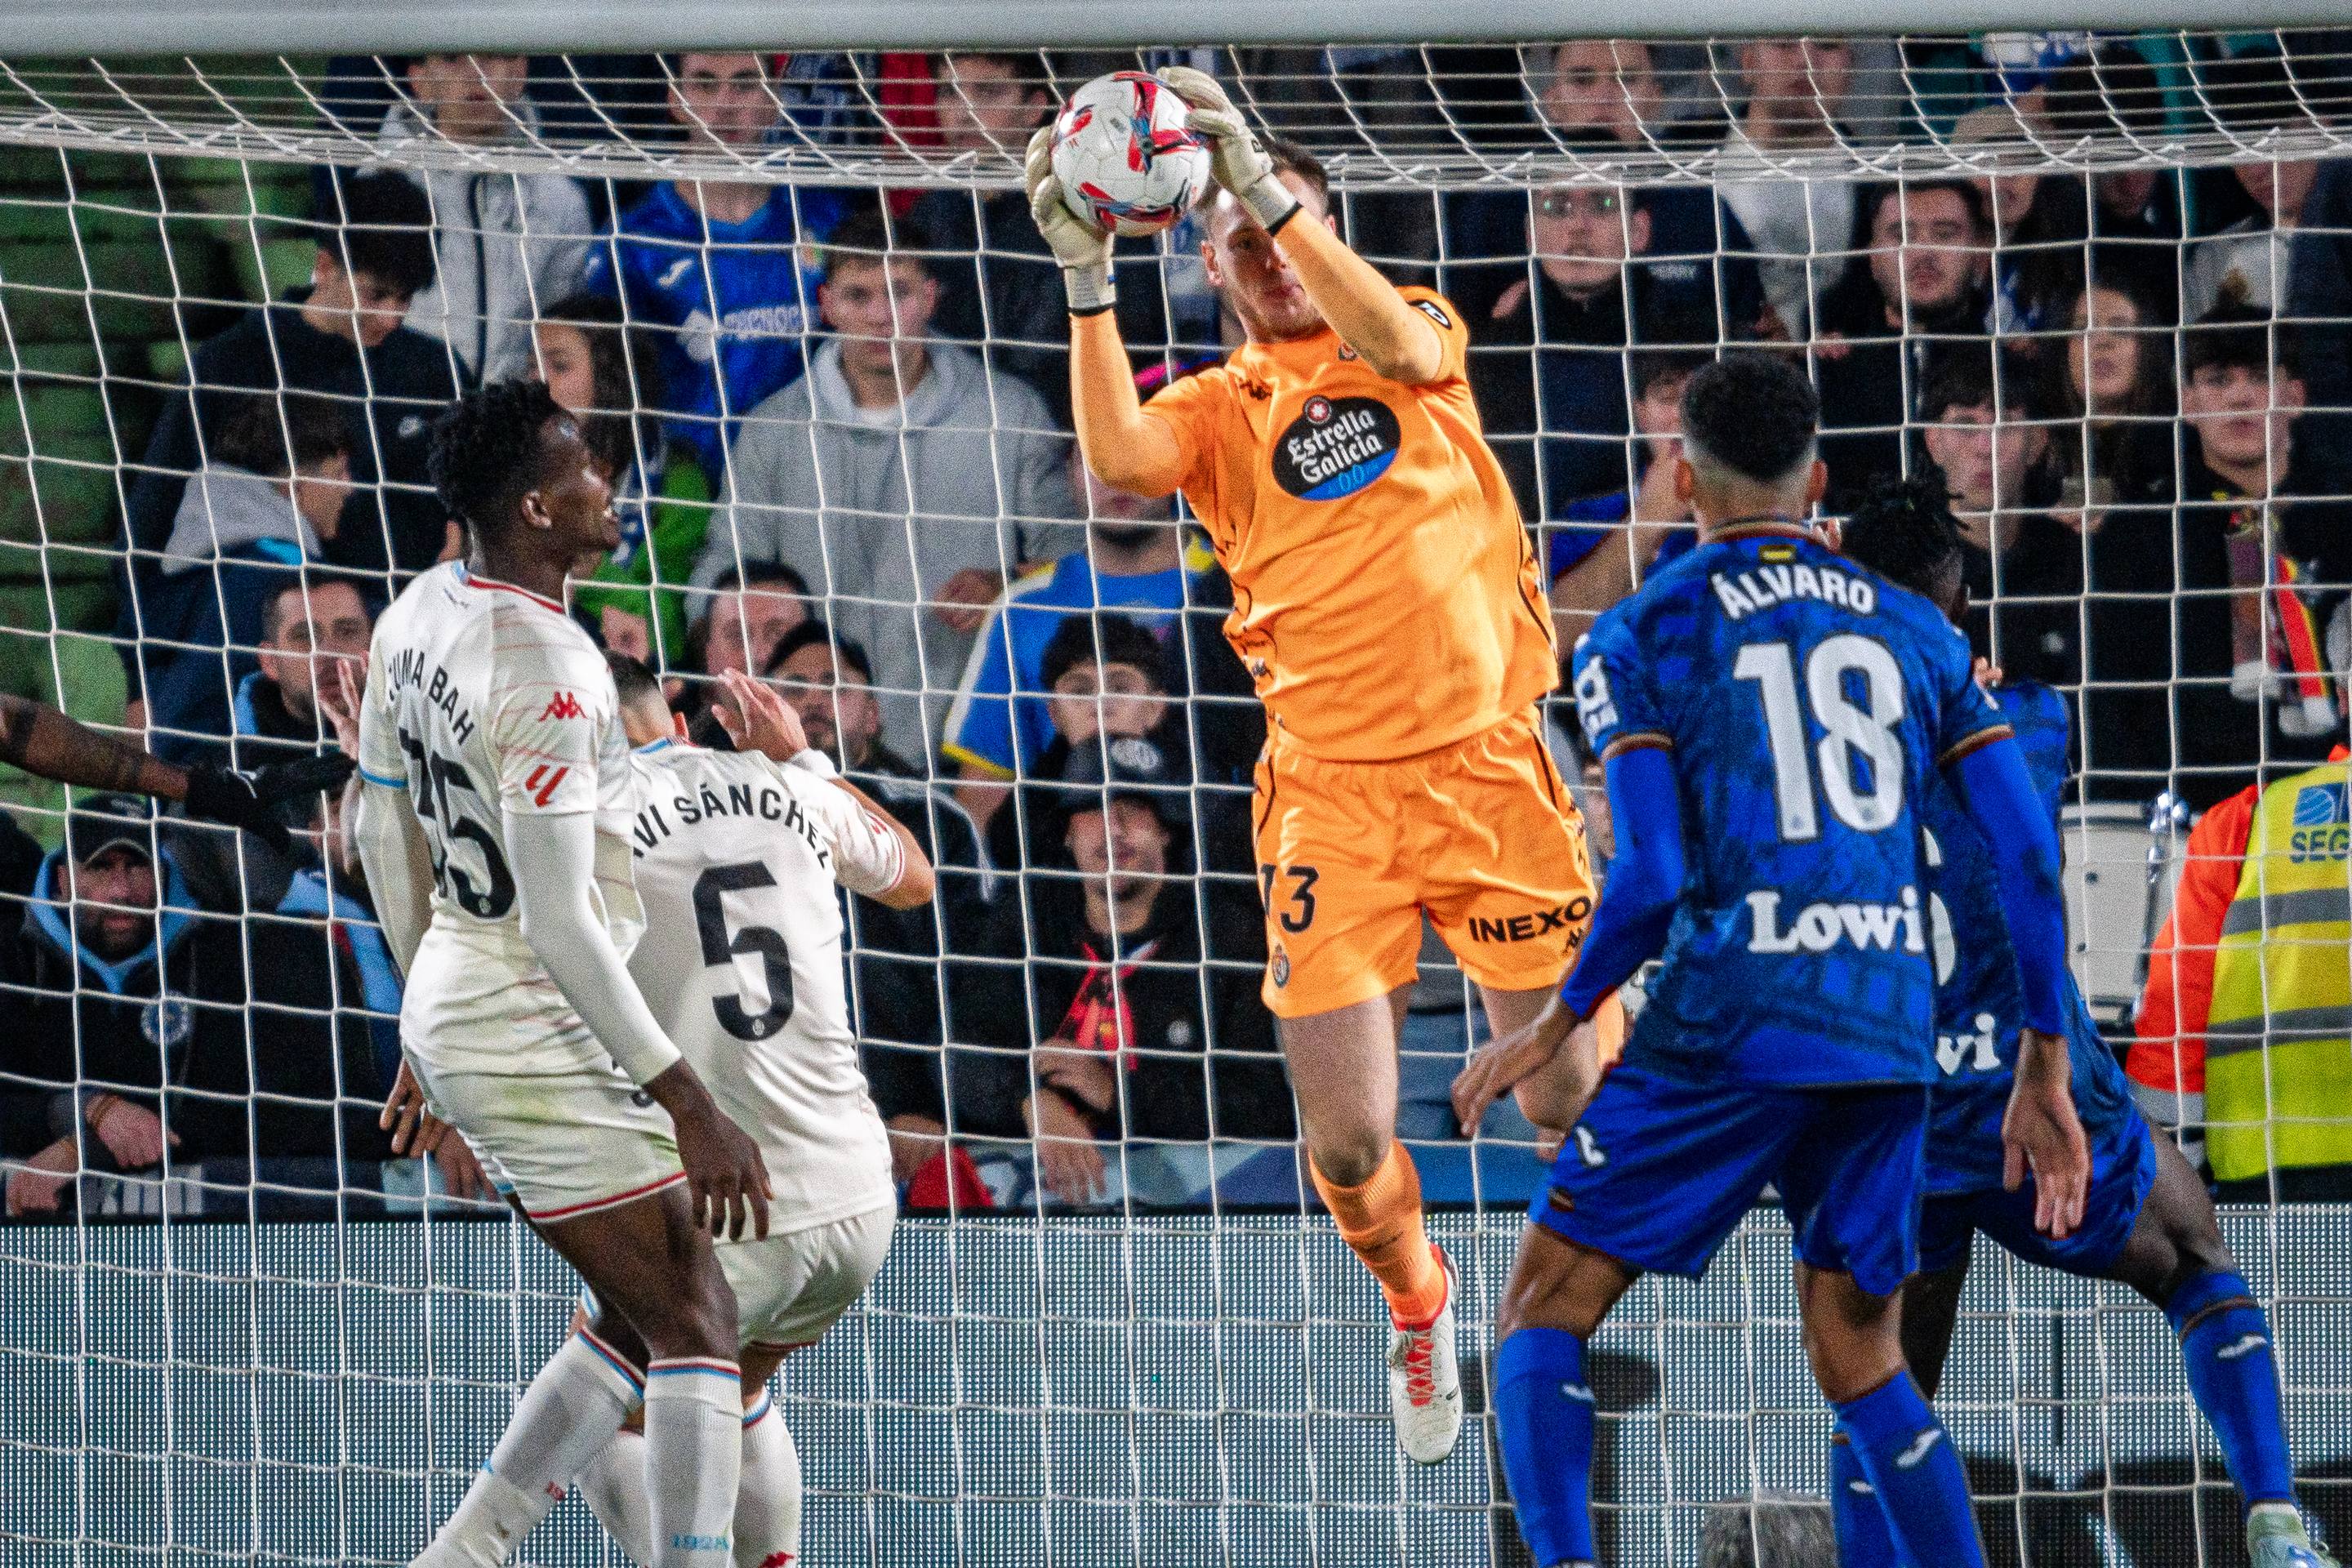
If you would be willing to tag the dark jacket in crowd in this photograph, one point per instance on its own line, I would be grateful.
(899, 971)
(1560, 418)
(1199, 1061)
(389, 395)
(1870, 392)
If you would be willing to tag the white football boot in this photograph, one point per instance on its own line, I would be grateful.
(1425, 1383)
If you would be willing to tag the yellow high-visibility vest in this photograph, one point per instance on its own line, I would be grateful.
(2278, 1041)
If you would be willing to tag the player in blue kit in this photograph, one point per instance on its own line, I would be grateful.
(1770, 718)
(2147, 1220)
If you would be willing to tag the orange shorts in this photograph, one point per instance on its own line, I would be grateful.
(1481, 834)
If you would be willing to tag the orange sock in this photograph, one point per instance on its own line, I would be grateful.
(1381, 1222)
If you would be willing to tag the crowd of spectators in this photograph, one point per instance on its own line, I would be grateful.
(835, 421)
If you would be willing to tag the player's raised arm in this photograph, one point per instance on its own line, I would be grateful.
(1122, 444)
(1364, 307)
(2042, 1130)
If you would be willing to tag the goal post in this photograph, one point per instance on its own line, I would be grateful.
(246, 1353)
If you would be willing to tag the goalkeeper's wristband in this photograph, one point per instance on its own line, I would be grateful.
(1270, 202)
(1089, 289)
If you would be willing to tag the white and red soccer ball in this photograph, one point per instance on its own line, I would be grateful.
(1127, 157)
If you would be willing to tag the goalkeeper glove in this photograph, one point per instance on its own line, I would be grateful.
(1082, 249)
(250, 801)
(1236, 157)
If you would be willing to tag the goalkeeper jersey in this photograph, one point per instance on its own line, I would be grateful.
(486, 701)
(1386, 599)
(736, 859)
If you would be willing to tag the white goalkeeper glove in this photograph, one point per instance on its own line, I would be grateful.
(1236, 158)
(1082, 249)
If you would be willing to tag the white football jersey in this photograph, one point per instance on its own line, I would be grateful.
(486, 701)
(736, 861)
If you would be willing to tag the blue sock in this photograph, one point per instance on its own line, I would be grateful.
(1904, 1454)
(2225, 1344)
(1862, 1538)
(1544, 1414)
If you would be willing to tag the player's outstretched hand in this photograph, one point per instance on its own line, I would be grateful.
(1236, 157)
(2042, 1134)
(757, 719)
(727, 1182)
(1081, 249)
(1495, 1068)
(250, 801)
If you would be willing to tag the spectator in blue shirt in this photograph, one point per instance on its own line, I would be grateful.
(1137, 560)
(716, 269)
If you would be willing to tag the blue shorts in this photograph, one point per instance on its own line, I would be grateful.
(2123, 1169)
(1658, 1171)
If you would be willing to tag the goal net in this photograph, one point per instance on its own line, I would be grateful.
(2099, 286)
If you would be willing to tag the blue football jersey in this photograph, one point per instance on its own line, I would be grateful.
(1979, 1000)
(1808, 705)
(729, 303)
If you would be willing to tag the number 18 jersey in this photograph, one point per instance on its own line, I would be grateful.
(736, 859)
(1808, 705)
(486, 701)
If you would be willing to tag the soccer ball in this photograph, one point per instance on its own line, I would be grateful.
(1126, 155)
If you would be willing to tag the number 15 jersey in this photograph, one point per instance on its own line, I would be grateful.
(1808, 704)
(736, 859)
(486, 701)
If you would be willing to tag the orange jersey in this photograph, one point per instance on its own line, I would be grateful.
(1386, 599)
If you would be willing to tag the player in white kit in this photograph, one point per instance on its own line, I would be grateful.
(495, 814)
(736, 860)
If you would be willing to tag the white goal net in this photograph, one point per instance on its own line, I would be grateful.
(2100, 284)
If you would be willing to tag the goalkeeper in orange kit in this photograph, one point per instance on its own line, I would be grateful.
(1387, 606)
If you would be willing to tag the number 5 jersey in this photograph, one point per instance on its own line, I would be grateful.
(736, 861)
(485, 700)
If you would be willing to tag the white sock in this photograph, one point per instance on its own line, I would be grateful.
(566, 1414)
(768, 1498)
(613, 1487)
(694, 1457)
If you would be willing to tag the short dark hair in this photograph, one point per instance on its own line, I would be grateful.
(1754, 413)
(275, 436)
(1084, 638)
(1023, 67)
(870, 238)
(632, 680)
(1293, 158)
(2234, 335)
(626, 374)
(1652, 366)
(1905, 531)
(488, 449)
(847, 651)
(306, 583)
(1975, 374)
(384, 228)
(1971, 198)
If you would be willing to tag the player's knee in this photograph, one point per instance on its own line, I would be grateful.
(1348, 1157)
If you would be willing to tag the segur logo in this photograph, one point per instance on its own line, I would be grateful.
(1336, 446)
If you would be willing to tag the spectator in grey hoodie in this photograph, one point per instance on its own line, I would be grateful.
(509, 244)
(905, 482)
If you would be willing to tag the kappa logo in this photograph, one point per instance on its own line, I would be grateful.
(2247, 1345)
(1921, 1446)
(542, 779)
(562, 705)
